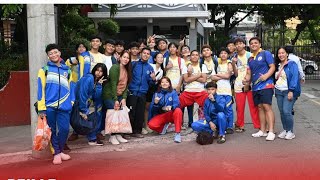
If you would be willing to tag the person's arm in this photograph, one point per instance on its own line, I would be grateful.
(72, 85)
(81, 66)
(301, 73)
(41, 92)
(292, 84)
(114, 79)
(203, 77)
(175, 101)
(84, 92)
(234, 66)
(272, 67)
(220, 103)
(207, 110)
(228, 74)
(193, 77)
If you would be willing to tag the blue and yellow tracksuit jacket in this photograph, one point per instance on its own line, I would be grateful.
(87, 92)
(167, 99)
(141, 79)
(84, 64)
(211, 109)
(55, 88)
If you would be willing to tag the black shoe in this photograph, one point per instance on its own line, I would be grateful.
(137, 135)
(229, 131)
(95, 143)
(66, 148)
(222, 139)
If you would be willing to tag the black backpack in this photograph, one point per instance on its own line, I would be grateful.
(204, 138)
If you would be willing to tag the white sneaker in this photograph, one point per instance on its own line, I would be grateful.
(113, 140)
(144, 131)
(259, 134)
(65, 157)
(271, 136)
(282, 134)
(290, 135)
(121, 139)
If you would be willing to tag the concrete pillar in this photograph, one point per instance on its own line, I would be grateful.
(192, 33)
(41, 32)
(150, 27)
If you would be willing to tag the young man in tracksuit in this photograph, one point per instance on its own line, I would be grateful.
(214, 112)
(142, 77)
(54, 100)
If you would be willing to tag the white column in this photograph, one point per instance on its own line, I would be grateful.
(41, 32)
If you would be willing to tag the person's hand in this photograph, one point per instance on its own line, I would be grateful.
(190, 70)
(290, 96)
(116, 55)
(170, 65)
(234, 60)
(150, 38)
(211, 97)
(153, 76)
(42, 115)
(181, 43)
(156, 99)
(212, 126)
(84, 116)
(102, 80)
(302, 81)
(168, 108)
(116, 105)
(123, 102)
(178, 89)
(263, 77)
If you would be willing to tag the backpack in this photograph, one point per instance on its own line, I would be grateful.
(204, 138)
(45, 69)
(215, 62)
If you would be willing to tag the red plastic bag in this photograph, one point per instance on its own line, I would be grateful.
(42, 135)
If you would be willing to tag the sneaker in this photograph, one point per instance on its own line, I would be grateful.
(144, 131)
(73, 137)
(149, 130)
(259, 134)
(120, 139)
(57, 159)
(229, 131)
(186, 132)
(270, 136)
(282, 134)
(100, 137)
(65, 157)
(290, 135)
(221, 140)
(113, 140)
(177, 138)
(164, 130)
(95, 143)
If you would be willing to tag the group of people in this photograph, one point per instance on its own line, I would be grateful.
(157, 80)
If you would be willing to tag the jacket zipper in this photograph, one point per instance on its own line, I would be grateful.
(59, 89)
(141, 78)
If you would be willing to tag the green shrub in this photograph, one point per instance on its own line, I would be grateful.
(108, 27)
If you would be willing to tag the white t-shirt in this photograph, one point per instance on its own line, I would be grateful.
(281, 83)
(210, 67)
(242, 65)
(108, 62)
(196, 86)
(158, 73)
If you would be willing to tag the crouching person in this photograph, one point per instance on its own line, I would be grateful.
(215, 119)
(164, 109)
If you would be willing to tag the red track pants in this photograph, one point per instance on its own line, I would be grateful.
(157, 122)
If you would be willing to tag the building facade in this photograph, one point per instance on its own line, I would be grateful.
(173, 21)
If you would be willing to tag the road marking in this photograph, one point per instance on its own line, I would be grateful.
(315, 101)
(310, 96)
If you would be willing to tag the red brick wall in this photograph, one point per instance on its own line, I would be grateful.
(15, 100)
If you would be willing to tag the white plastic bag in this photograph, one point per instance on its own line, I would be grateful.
(118, 121)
